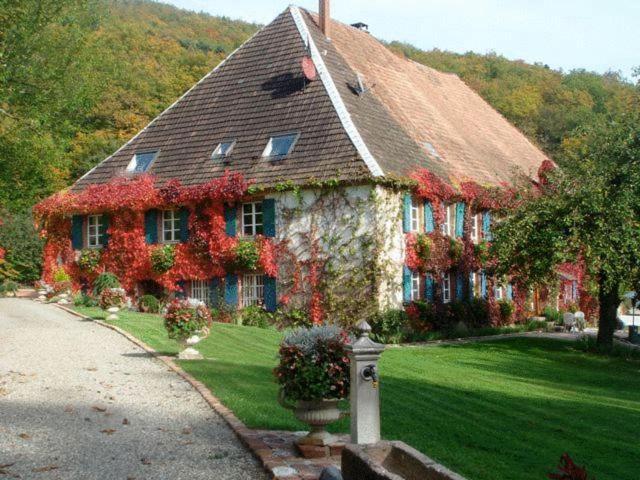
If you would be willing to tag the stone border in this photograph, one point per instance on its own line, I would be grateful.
(256, 446)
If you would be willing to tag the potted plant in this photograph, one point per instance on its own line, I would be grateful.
(112, 300)
(188, 321)
(313, 374)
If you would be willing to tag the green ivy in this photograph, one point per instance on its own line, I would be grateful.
(163, 258)
(247, 255)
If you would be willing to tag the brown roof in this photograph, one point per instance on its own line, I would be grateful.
(259, 91)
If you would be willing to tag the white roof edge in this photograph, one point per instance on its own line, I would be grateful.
(224, 60)
(334, 95)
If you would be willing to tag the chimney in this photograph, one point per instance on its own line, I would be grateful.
(325, 17)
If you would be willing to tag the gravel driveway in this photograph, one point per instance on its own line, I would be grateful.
(79, 401)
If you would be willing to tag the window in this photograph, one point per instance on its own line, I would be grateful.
(141, 162)
(449, 225)
(416, 283)
(94, 225)
(446, 288)
(252, 289)
(475, 227)
(280, 145)
(252, 219)
(200, 290)
(223, 150)
(475, 284)
(170, 226)
(415, 215)
(499, 292)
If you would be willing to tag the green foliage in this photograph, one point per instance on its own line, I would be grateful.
(61, 276)
(83, 300)
(423, 247)
(456, 248)
(552, 315)
(163, 258)
(587, 343)
(23, 260)
(506, 310)
(389, 326)
(292, 318)
(533, 325)
(255, 316)
(8, 288)
(105, 280)
(247, 255)
(149, 304)
(89, 259)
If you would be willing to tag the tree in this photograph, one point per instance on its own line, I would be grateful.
(589, 210)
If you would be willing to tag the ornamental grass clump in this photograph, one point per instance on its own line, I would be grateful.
(185, 318)
(314, 364)
(112, 297)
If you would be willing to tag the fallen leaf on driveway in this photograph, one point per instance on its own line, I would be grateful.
(68, 408)
(145, 461)
(91, 369)
(186, 431)
(48, 468)
(125, 421)
(24, 436)
(96, 408)
(108, 431)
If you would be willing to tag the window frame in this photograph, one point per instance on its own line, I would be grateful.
(175, 226)
(97, 236)
(217, 152)
(268, 150)
(446, 288)
(448, 227)
(132, 166)
(414, 215)
(256, 228)
(416, 286)
(499, 292)
(202, 287)
(252, 290)
(476, 220)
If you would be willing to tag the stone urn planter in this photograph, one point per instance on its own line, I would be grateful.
(189, 352)
(113, 313)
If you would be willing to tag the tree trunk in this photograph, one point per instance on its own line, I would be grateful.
(609, 303)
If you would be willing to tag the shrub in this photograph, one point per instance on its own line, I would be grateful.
(506, 310)
(389, 326)
(163, 258)
(292, 318)
(61, 282)
(423, 247)
(23, 257)
(255, 316)
(112, 297)
(533, 325)
(149, 304)
(83, 300)
(89, 260)
(314, 364)
(8, 288)
(185, 318)
(456, 248)
(423, 317)
(552, 315)
(587, 343)
(477, 313)
(225, 313)
(105, 280)
(247, 255)
(60, 275)
(481, 252)
(459, 330)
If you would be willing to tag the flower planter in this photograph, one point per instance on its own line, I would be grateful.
(317, 414)
(190, 353)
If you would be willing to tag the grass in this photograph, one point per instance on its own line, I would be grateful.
(492, 410)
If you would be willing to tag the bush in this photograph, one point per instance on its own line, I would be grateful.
(61, 281)
(292, 318)
(587, 343)
(389, 326)
(23, 246)
(84, 300)
(456, 247)
(314, 364)
(185, 318)
(533, 325)
(423, 247)
(255, 316)
(225, 313)
(149, 304)
(105, 280)
(112, 297)
(163, 258)
(247, 255)
(89, 260)
(506, 310)
(552, 315)
(8, 288)
(459, 330)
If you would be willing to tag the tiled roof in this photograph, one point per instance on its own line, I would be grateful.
(259, 91)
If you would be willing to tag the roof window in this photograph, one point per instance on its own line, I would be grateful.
(223, 149)
(140, 162)
(280, 146)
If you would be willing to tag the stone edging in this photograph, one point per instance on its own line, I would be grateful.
(257, 447)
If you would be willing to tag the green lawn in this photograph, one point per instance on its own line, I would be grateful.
(493, 410)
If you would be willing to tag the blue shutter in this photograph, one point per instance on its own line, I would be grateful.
(486, 226)
(483, 284)
(429, 224)
(231, 289)
(77, 222)
(429, 289)
(406, 284)
(184, 224)
(151, 226)
(459, 286)
(214, 292)
(230, 214)
(270, 301)
(459, 219)
(269, 217)
(104, 236)
(406, 213)
(509, 291)
(181, 293)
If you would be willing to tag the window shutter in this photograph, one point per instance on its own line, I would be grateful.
(230, 214)
(460, 219)
(104, 236)
(429, 224)
(483, 284)
(184, 224)
(406, 213)
(151, 226)
(214, 292)
(182, 292)
(459, 286)
(429, 289)
(406, 284)
(269, 217)
(77, 240)
(509, 291)
(231, 289)
(486, 226)
(270, 301)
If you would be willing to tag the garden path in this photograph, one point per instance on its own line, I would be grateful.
(80, 401)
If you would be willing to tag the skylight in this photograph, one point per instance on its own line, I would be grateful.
(280, 145)
(140, 162)
(223, 149)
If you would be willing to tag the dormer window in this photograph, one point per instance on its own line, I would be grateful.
(280, 146)
(140, 162)
(223, 150)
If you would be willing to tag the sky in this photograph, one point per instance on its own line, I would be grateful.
(598, 35)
